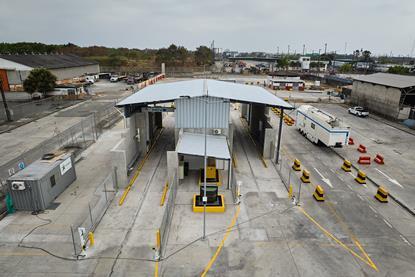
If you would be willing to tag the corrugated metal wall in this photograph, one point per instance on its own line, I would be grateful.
(190, 112)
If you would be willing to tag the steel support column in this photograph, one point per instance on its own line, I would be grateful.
(279, 137)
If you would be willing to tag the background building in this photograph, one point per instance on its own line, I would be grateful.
(14, 69)
(390, 95)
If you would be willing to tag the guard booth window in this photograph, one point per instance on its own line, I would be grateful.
(52, 181)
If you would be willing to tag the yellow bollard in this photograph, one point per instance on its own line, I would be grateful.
(382, 195)
(347, 166)
(361, 177)
(319, 193)
(305, 178)
(290, 191)
(91, 238)
(297, 165)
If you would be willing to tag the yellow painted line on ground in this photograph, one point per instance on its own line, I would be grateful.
(235, 163)
(330, 235)
(222, 243)
(138, 171)
(163, 196)
(156, 270)
(351, 234)
(365, 254)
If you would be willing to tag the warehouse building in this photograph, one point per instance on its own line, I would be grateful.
(14, 68)
(390, 95)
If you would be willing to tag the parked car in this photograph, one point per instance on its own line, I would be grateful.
(359, 111)
(114, 78)
(90, 79)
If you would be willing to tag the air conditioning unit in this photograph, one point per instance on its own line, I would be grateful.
(18, 185)
(217, 131)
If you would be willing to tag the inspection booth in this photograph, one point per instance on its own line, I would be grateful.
(202, 117)
(35, 187)
(191, 153)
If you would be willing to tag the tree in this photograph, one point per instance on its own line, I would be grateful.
(40, 80)
(283, 62)
(203, 55)
(398, 70)
(366, 55)
(295, 64)
(345, 68)
(174, 55)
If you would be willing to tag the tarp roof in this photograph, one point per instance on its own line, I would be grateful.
(193, 144)
(390, 80)
(168, 92)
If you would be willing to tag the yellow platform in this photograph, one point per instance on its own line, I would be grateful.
(209, 209)
(213, 176)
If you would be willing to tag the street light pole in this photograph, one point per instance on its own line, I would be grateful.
(6, 108)
(205, 167)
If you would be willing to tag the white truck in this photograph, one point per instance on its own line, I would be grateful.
(321, 127)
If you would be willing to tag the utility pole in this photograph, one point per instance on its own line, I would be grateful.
(6, 108)
(318, 62)
(213, 52)
(288, 50)
(303, 49)
(325, 48)
(278, 50)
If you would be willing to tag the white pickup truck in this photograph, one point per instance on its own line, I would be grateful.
(359, 111)
(321, 127)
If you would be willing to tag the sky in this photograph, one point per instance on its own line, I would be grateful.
(381, 26)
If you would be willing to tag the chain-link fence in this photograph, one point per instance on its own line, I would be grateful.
(289, 176)
(168, 213)
(76, 138)
(35, 109)
(94, 212)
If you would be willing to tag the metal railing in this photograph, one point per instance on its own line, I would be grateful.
(34, 109)
(168, 213)
(235, 189)
(289, 177)
(94, 211)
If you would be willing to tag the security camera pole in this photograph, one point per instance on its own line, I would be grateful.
(6, 108)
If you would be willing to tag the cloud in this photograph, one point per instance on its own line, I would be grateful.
(378, 25)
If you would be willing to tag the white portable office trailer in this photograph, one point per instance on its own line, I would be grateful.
(321, 127)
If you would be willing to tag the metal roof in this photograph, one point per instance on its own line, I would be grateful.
(193, 144)
(39, 168)
(10, 65)
(390, 80)
(49, 61)
(168, 92)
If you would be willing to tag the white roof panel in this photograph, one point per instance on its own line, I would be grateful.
(195, 88)
(193, 144)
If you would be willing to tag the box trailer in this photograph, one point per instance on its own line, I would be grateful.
(35, 187)
(321, 127)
